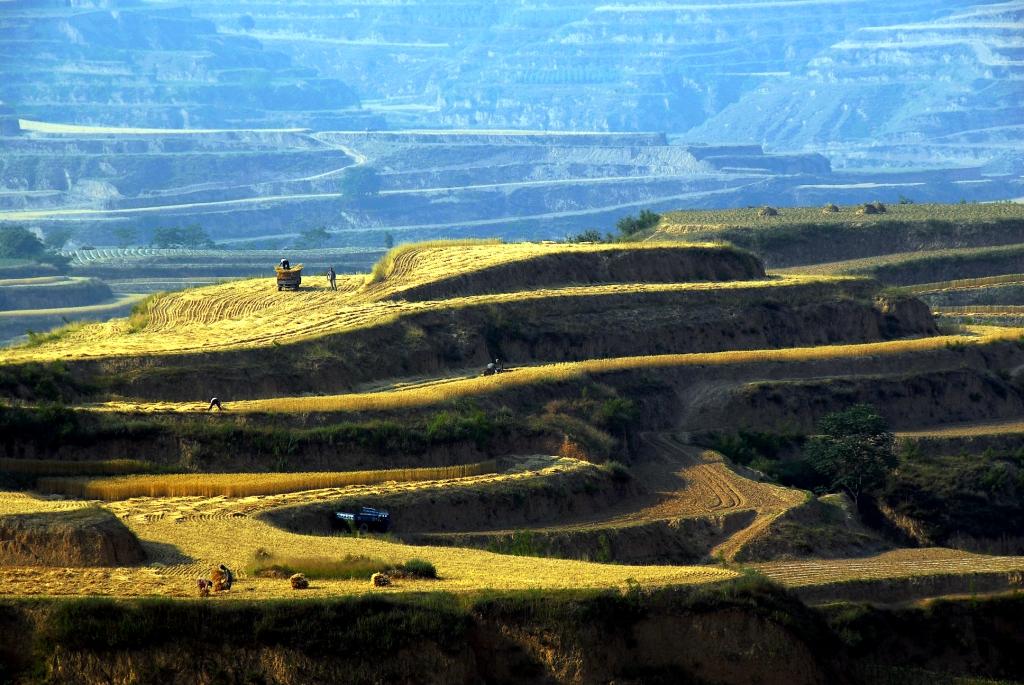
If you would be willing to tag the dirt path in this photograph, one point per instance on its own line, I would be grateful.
(712, 487)
(682, 481)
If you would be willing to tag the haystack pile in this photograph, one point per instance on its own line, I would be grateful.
(222, 578)
(380, 580)
(829, 209)
(299, 582)
(767, 211)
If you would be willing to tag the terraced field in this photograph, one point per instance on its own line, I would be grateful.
(465, 496)
(252, 313)
(701, 222)
(445, 389)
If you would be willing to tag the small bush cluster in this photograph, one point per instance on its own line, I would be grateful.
(350, 567)
(630, 225)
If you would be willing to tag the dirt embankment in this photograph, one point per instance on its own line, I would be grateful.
(934, 269)
(740, 637)
(822, 528)
(628, 265)
(552, 495)
(529, 331)
(744, 633)
(685, 540)
(52, 295)
(80, 537)
(818, 243)
(240, 451)
(905, 400)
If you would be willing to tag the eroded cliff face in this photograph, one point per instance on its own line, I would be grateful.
(82, 537)
(676, 637)
(743, 632)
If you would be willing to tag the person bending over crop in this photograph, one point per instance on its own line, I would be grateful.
(215, 402)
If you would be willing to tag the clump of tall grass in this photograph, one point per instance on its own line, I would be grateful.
(247, 484)
(37, 338)
(139, 317)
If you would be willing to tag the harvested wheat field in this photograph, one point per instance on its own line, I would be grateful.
(185, 537)
(248, 313)
(428, 392)
(630, 498)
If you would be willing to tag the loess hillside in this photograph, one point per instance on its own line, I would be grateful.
(648, 429)
(439, 308)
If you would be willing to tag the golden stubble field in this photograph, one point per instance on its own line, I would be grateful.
(186, 537)
(252, 313)
(440, 390)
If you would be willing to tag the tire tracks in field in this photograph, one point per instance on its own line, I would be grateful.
(712, 487)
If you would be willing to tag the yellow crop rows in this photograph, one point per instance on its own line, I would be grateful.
(988, 309)
(246, 484)
(965, 430)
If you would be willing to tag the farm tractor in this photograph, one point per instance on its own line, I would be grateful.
(365, 520)
(289, 278)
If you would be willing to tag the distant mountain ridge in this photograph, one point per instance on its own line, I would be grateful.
(943, 93)
(128, 64)
(918, 84)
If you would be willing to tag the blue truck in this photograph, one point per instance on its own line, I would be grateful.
(366, 519)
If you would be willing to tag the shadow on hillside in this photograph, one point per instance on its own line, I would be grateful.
(164, 553)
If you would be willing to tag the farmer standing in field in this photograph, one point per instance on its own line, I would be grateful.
(332, 277)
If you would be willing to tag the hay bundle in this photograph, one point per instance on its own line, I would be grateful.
(380, 580)
(767, 211)
(829, 209)
(222, 578)
(299, 582)
(204, 586)
(872, 208)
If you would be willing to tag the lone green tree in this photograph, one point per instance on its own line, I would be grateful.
(854, 450)
(17, 242)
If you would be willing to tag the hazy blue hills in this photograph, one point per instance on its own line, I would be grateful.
(125, 64)
(948, 92)
(427, 118)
